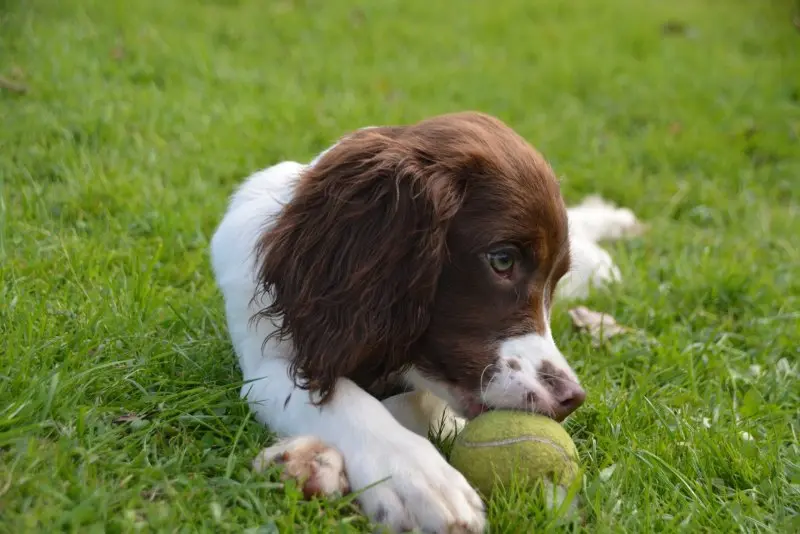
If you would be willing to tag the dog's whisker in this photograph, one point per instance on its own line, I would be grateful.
(483, 373)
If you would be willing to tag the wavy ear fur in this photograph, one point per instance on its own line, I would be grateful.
(352, 263)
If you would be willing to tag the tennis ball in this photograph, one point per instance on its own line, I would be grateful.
(501, 445)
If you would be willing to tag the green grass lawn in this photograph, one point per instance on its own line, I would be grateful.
(118, 385)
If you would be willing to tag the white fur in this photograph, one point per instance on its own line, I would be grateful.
(416, 487)
(510, 386)
(423, 412)
(590, 222)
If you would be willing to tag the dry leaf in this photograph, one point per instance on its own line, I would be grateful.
(13, 86)
(600, 326)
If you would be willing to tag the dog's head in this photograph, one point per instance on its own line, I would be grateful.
(431, 250)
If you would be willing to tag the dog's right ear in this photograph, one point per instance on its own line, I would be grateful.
(352, 263)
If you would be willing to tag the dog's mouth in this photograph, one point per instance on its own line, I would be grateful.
(473, 409)
(470, 405)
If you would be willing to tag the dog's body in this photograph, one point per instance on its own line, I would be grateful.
(419, 259)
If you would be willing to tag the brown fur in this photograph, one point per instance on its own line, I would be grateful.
(378, 262)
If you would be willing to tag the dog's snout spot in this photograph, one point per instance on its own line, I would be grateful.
(553, 377)
(531, 398)
(381, 514)
(514, 364)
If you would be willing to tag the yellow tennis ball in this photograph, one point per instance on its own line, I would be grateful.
(499, 446)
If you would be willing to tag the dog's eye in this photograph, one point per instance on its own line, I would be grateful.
(502, 261)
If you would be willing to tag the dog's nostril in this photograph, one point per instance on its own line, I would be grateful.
(571, 400)
(576, 399)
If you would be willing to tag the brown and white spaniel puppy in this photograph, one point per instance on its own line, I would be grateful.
(411, 258)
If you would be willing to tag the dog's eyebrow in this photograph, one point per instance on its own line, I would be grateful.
(564, 245)
(563, 248)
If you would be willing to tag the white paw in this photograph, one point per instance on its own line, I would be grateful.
(414, 487)
(592, 266)
(317, 468)
(596, 219)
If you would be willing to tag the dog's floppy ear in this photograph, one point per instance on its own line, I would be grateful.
(352, 262)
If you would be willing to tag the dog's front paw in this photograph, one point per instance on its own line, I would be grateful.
(317, 468)
(408, 485)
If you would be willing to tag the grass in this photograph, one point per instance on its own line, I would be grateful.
(118, 385)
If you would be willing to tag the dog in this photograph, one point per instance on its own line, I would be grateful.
(407, 273)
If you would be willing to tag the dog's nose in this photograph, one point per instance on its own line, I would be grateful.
(569, 398)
